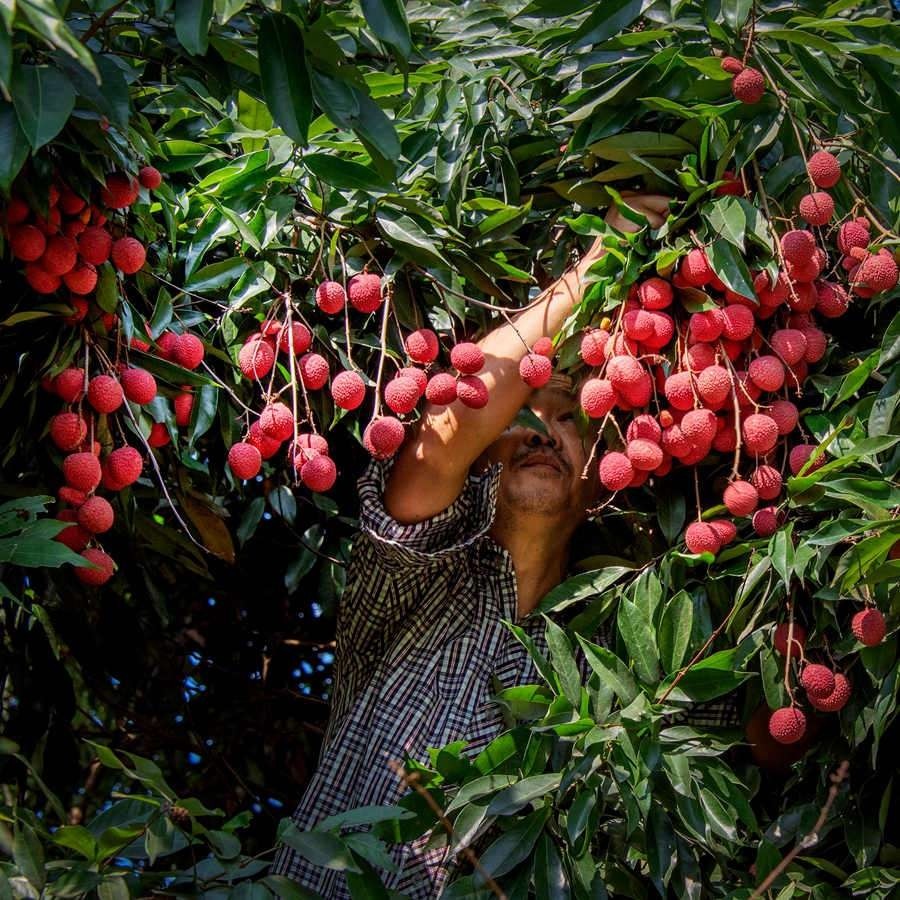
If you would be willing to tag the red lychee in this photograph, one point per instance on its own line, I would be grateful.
(125, 465)
(71, 496)
(785, 414)
(441, 389)
(837, 699)
(535, 370)
(714, 385)
(95, 245)
(244, 460)
(854, 233)
(364, 292)
(348, 390)
(878, 272)
(732, 65)
(82, 471)
(787, 725)
(95, 577)
(277, 421)
(701, 537)
(766, 372)
(165, 345)
(256, 360)
(67, 430)
(188, 350)
(816, 344)
(593, 346)
(41, 281)
(417, 375)
(128, 255)
(105, 393)
(767, 481)
(267, 446)
(383, 437)
(868, 626)
(150, 177)
(422, 346)
(699, 427)
(616, 471)
(695, 268)
(472, 391)
(738, 323)
(817, 208)
(330, 297)
(96, 515)
(823, 169)
(69, 384)
(401, 395)
(313, 370)
(740, 498)
(27, 243)
(765, 521)
(319, 473)
(798, 246)
(467, 358)
(159, 435)
(700, 356)
(298, 334)
(732, 185)
(655, 293)
(81, 280)
(60, 255)
(184, 406)
(748, 86)
(543, 346)
(817, 680)
(121, 190)
(644, 455)
(799, 456)
(644, 426)
(798, 639)
(760, 433)
(725, 530)
(789, 344)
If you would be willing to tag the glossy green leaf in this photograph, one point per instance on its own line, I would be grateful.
(192, 21)
(44, 100)
(285, 79)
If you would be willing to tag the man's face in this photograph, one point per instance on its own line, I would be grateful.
(542, 472)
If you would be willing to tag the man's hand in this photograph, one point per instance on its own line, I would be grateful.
(654, 206)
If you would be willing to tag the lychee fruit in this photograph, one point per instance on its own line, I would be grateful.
(60, 255)
(165, 345)
(817, 680)
(738, 323)
(748, 85)
(701, 537)
(816, 344)
(714, 385)
(699, 427)
(184, 406)
(616, 471)
(878, 272)
(256, 360)
(96, 515)
(467, 358)
(364, 292)
(95, 577)
(150, 177)
(422, 346)
(313, 370)
(868, 626)
(695, 268)
(732, 65)
(105, 393)
(766, 372)
(67, 430)
(817, 208)
(789, 344)
(854, 233)
(535, 370)
(832, 301)
(383, 437)
(401, 395)
(244, 460)
(655, 293)
(71, 496)
(121, 190)
(798, 246)
(645, 427)
(69, 384)
(798, 639)
(767, 481)
(277, 421)
(837, 699)
(707, 325)
(298, 334)
(125, 465)
(348, 390)
(471, 391)
(159, 435)
(799, 456)
(644, 455)
(732, 186)
(95, 245)
(40, 280)
(128, 255)
(27, 243)
(441, 389)
(760, 433)
(330, 297)
(543, 346)
(81, 280)
(824, 170)
(741, 498)
(418, 376)
(319, 473)
(765, 521)
(593, 346)
(188, 351)
(725, 530)
(787, 725)
(74, 537)
(82, 471)
(785, 414)
(638, 324)
(266, 445)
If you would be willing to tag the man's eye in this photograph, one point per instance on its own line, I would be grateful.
(567, 417)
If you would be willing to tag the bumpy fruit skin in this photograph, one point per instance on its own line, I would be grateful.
(798, 246)
(767, 481)
(138, 385)
(714, 385)
(27, 243)
(787, 725)
(188, 351)
(82, 471)
(330, 297)
(256, 360)
(740, 498)
(125, 465)
(616, 471)
(69, 384)
(869, 627)
(417, 375)
(798, 639)
(364, 292)
(244, 460)
(695, 268)
(184, 406)
(878, 272)
(732, 65)
(593, 346)
(817, 208)
(535, 370)
(701, 537)
(383, 437)
(785, 415)
(67, 430)
(837, 699)
(644, 455)
(832, 301)
(598, 397)
(422, 346)
(105, 393)
(348, 390)
(159, 435)
(817, 680)
(726, 531)
(319, 473)
(644, 426)
(40, 280)
(81, 280)
(441, 389)
(74, 537)
(467, 358)
(96, 515)
(543, 346)
(71, 495)
(95, 245)
(60, 256)
(799, 456)
(854, 233)
(277, 422)
(150, 177)
(471, 391)
(128, 255)
(824, 170)
(765, 521)
(760, 433)
(165, 345)
(121, 191)
(766, 372)
(299, 334)
(95, 577)
(313, 370)
(401, 395)
(699, 427)
(655, 293)
(748, 86)
(267, 446)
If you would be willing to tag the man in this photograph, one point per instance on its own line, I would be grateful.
(469, 526)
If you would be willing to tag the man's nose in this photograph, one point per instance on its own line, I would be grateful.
(535, 439)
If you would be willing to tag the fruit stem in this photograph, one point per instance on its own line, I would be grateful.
(389, 294)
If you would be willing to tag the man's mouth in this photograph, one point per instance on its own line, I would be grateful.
(541, 459)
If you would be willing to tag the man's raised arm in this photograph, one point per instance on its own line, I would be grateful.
(432, 466)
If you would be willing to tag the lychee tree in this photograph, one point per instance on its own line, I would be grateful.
(231, 278)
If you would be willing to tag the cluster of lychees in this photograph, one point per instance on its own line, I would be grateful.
(826, 690)
(64, 248)
(748, 84)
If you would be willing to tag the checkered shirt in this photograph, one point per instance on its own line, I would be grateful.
(421, 647)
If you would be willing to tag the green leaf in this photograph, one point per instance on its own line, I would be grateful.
(28, 855)
(44, 100)
(192, 20)
(675, 631)
(578, 587)
(285, 79)
(14, 146)
(638, 634)
(612, 671)
(671, 509)
(362, 815)
(408, 238)
(514, 797)
(563, 662)
(512, 846)
(550, 879)
(726, 218)
(320, 847)
(343, 173)
(44, 16)
(388, 20)
(729, 265)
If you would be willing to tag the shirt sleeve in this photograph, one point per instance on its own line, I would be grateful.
(433, 540)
